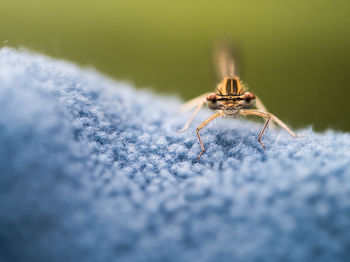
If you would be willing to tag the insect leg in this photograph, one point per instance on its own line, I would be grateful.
(267, 116)
(203, 124)
(261, 107)
(195, 112)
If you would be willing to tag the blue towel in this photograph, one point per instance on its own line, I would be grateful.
(94, 170)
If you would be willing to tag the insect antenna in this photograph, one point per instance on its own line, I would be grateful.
(219, 91)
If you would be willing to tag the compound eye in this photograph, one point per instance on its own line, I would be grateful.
(248, 96)
(212, 101)
(212, 98)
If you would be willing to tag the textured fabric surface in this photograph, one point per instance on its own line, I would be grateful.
(94, 170)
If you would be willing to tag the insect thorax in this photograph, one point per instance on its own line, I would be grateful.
(230, 86)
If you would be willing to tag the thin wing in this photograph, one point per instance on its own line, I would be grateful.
(196, 102)
(259, 105)
(224, 60)
(193, 102)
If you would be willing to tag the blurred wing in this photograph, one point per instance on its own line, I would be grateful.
(224, 60)
(193, 102)
(259, 105)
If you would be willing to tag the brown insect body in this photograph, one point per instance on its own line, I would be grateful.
(230, 100)
(231, 97)
(229, 90)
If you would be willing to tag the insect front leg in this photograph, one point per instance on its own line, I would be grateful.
(203, 124)
(261, 107)
(247, 112)
(268, 116)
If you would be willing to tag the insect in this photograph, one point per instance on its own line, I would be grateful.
(230, 100)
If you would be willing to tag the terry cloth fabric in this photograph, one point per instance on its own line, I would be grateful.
(94, 170)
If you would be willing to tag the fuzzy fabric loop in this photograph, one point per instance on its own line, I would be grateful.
(95, 170)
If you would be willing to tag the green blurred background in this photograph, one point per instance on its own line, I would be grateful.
(294, 54)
